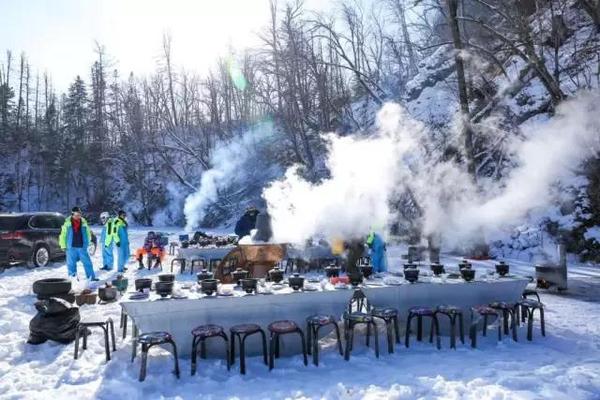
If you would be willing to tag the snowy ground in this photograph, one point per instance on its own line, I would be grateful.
(564, 365)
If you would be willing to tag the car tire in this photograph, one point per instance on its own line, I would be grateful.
(40, 256)
(51, 287)
(69, 297)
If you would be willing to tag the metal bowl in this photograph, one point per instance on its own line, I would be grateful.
(107, 294)
(143, 283)
(411, 274)
(121, 284)
(502, 268)
(356, 279)
(467, 274)
(332, 271)
(296, 281)
(249, 285)
(437, 269)
(276, 275)
(367, 270)
(163, 288)
(166, 278)
(209, 286)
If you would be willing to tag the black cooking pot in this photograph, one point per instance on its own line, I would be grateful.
(467, 274)
(332, 271)
(367, 270)
(185, 244)
(209, 286)
(107, 294)
(166, 278)
(296, 281)
(120, 283)
(249, 285)
(163, 288)
(276, 275)
(143, 283)
(239, 274)
(437, 269)
(356, 279)
(411, 274)
(203, 275)
(502, 268)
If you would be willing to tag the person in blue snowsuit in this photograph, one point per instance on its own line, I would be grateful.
(107, 241)
(377, 252)
(121, 239)
(74, 239)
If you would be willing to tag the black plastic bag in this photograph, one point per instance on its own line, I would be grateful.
(56, 320)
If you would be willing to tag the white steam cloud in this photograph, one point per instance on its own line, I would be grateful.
(228, 162)
(367, 173)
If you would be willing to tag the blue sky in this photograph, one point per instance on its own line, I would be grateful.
(59, 35)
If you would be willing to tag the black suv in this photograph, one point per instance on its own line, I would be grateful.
(32, 238)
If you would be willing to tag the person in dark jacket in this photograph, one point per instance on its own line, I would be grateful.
(246, 223)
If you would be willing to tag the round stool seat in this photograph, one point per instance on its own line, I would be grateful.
(284, 326)
(384, 312)
(320, 319)
(245, 328)
(485, 310)
(154, 337)
(502, 305)
(449, 309)
(358, 317)
(421, 311)
(205, 331)
(530, 303)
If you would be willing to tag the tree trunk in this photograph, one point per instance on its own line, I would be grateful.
(462, 84)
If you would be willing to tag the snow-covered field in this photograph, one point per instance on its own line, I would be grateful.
(564, 365)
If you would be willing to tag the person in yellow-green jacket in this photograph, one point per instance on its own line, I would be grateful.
(106, 240)
(121, 239)
(377, 252)
(75, 236)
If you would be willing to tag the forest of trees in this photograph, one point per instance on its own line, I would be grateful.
(119, 140)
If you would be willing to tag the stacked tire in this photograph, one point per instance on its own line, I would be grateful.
(54, 287)
(56, 317)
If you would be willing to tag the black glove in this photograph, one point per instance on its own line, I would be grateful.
(118, 244)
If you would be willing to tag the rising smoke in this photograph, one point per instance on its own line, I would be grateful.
(368, 173)
(231, 163)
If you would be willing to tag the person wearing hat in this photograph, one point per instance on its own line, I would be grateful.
(121, 239)
(74, 239)
(107, 240)
(247, 222)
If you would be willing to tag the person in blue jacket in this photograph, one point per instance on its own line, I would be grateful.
(74, 239)
(121, 239)
(377, 252)
(106, 241)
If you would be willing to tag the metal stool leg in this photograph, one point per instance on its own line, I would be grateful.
(144, 362)
(303, 346)
(194, 355)
(176, 358)
(77, 334)
(112, 334)
(339, 340)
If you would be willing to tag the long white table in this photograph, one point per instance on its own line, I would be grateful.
(180, 316)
